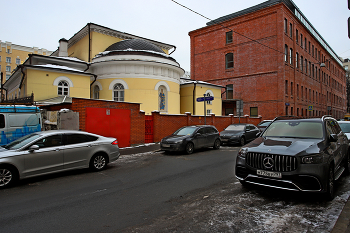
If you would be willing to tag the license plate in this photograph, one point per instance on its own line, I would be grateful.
(269, 174)
(166, 145)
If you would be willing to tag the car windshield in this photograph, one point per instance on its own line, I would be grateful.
(21, 141)
(345, 127)
(235, 127)
(295, 129)
(185, 131)
(266, 123)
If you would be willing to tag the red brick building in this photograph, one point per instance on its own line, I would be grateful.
(273, 59)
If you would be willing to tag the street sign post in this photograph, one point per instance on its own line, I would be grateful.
(205, 99)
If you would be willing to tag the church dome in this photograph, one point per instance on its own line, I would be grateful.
(134, 44)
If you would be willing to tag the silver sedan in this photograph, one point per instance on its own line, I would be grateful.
(54, 151)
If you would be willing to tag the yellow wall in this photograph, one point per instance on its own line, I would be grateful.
(41, 84)
(216, 105)
(186, 99)
(141, 90)
(186, 94)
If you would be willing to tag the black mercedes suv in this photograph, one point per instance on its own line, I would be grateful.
(296, 154)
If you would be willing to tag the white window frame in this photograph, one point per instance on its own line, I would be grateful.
(63, 88)
(118, 92)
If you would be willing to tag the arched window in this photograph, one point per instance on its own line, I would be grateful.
(96, 92)
(207, 94)
(118, 92)
(162, 99)
(63, 88)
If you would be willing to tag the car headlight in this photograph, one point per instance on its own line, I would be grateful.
(312, 159)
(242, 152)
(178, 141)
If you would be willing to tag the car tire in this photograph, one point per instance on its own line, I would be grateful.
(8, 176)
(347, 163)
(330, 184)
(189, 148)
(242, 141)
(217, 144)
(98, 162)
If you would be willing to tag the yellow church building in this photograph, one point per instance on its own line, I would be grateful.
(102, 63)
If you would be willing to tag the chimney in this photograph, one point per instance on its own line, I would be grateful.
(63, 48)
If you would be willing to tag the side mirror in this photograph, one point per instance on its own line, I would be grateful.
(33, 148)
(333, 138)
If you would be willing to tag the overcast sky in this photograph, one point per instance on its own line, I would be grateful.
(41, 23)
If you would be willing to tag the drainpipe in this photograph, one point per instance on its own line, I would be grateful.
(194, 97)
(23, 75)
(93, 81)
(89, 59)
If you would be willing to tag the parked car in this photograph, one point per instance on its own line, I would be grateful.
(193, 137)
(53, 151)
(296, 154)
(239, 133)
(345, 127)
(262, 125)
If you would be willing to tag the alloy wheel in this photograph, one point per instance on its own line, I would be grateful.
(5, 177)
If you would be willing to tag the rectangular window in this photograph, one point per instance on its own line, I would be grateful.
(306, 66)
(302, 92)
(254, 111)
(313, 51)
(291, 56)
(309, 68)
(8, 51)
(301, 40)
(8, 60)
(291, 30)
(229, 91)
(228, 37)
(301, 63)
(209, 111)
(286, 87)
(0, 58)
(18, 61)
(297, 36)
(305, 44)
(309, 46)
(229, 60)
(285, 26)
(285, 53)
(291, 88)
(298, 91)
(8, 68)
(297, 60)
(7, 76)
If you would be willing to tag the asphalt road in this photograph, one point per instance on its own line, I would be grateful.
(131, 192)
(156, 192)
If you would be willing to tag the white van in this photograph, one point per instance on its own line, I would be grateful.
(17, 121)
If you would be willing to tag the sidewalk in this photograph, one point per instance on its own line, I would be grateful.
(341, 225)
(142, 148)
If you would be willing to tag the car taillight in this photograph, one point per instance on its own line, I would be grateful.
(115, 142)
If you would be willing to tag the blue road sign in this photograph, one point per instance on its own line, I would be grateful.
(207, 98)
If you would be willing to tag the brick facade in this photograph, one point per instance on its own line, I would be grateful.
(165, 125)
(262, 76)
